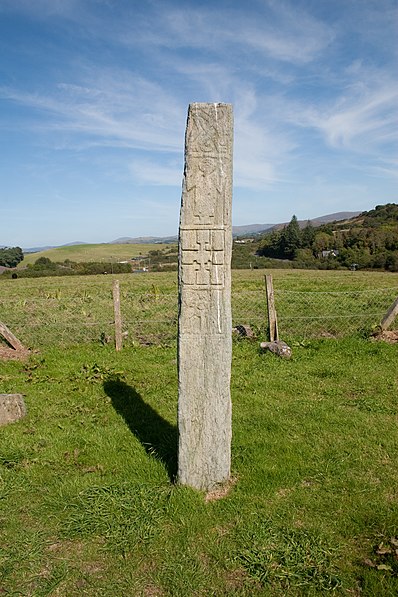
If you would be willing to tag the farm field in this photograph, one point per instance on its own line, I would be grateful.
(284, 279)
(67, 310)
(97, 252)
(89, 506)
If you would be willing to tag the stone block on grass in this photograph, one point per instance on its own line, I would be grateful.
(12, 408)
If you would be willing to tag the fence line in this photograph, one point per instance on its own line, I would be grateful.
(151, 317)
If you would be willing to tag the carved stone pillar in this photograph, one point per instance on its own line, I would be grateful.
(205, 328)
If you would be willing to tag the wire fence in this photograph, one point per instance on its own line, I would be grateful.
(150, 317)
(332, 314)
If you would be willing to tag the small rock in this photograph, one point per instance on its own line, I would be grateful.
(244, 331)
(12, 408)
(278, 347)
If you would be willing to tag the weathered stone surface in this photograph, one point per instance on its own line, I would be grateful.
(205, 324)
(12, 408)
(278, 347)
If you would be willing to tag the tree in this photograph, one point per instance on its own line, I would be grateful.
(44, 263)
(307, 235)
(11, 256)
(323, 242)
(282, 244)
(291, 239)
(270, 246)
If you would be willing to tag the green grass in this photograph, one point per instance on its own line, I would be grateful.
(316, 280)
(86, 478)
(88, 506)
(99, 252)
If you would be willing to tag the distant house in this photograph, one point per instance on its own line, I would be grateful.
(330, 253)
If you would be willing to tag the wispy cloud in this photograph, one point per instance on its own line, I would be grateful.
(119, 109)
(290, 35)
(277, 30)
(360, 123)
(362, 119)
(113, 108)
(152, 172)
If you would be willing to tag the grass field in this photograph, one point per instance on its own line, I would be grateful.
(100, 252)
(88, 503)
(67, 310)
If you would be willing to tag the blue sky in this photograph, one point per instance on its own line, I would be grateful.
(94, 97)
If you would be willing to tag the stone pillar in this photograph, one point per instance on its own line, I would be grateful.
(205, 323)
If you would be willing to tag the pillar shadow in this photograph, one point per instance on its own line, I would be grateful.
(157, 435)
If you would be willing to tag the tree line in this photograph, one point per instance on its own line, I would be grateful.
(43, 267)
(369, 241)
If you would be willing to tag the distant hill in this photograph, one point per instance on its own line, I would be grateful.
(144, 240)
(76, 242)
(104, 252)
(336, 217)
(39, 249)
(339, 216)
(250, 229)
(245, 230)
(382, 216)
(27, 250)
(236, 231)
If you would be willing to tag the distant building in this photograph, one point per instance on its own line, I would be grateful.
(330, 253)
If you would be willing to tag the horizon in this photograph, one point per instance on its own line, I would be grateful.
(164, 238)
(95, 97)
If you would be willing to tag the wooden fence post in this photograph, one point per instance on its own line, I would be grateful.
(390, 315)
(118, 317)
(272, 319)
(11, 339)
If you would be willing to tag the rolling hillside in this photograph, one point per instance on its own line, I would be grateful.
(99, 252)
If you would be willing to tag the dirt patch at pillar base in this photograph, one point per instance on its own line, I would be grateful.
(9, 354)
(390, 336)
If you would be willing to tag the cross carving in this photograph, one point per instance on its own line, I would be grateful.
(202, 263)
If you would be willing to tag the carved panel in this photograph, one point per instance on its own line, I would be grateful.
(202, 257)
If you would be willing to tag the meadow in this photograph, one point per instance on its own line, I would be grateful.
(66, 310)
(89, 503)
(94, 252)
